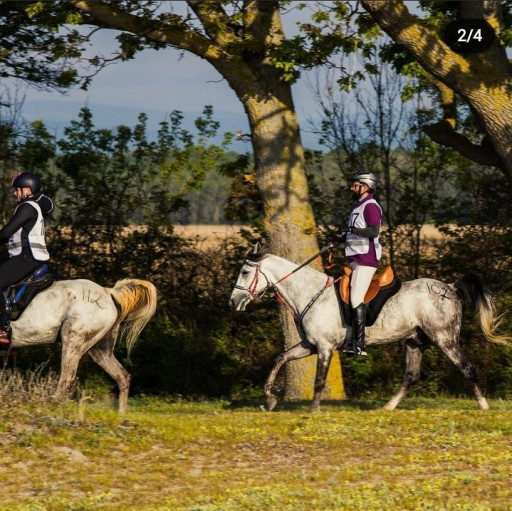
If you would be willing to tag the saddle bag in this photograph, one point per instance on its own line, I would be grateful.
(19, 295)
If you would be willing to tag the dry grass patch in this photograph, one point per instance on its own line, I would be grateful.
(27, 387)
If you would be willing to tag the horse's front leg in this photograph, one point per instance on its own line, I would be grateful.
(301, 350)
(322, 368)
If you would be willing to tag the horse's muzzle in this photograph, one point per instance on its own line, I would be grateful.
(239, 300)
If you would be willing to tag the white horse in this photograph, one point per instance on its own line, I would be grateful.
(423, 312)
(88, 318)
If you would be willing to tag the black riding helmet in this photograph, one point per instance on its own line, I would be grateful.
(27, 180)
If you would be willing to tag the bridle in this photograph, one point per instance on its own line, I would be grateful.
(251, 289)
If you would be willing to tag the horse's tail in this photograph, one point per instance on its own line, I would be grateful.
(136, 300)
(478, 296)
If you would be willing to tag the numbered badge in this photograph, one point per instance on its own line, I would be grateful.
(469, 36)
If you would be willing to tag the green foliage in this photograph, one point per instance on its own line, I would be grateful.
(330, 31)
(115, 192)
(37, 149)
(66, 60)
(196, 347)
(31, 47)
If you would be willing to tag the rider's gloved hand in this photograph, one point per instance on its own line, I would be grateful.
(342, 231)
(340, 236)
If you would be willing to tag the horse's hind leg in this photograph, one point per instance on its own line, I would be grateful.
(301, 350)
(412, 374)
(103, 354)
(454, 352)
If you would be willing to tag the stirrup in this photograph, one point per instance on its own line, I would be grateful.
(352, 350)
(361, 350)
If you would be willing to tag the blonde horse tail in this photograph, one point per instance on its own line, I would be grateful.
(136, 301)
(476, 293)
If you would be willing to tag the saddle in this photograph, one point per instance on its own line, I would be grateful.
(382, 287)
(19, 295)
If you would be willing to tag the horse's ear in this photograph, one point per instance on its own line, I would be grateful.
(256, 252)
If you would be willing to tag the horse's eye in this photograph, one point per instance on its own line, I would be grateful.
(245, 272)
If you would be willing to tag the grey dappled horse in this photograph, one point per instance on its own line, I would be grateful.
(88, 319)
(423, 312)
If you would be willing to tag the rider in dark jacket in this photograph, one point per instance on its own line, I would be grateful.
(25, 236)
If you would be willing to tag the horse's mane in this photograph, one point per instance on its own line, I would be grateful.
(260, 252)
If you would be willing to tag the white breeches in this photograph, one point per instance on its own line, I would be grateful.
(360, 282)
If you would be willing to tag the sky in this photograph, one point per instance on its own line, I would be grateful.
(155, 82)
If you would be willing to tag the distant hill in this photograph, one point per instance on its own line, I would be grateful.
(57, 115)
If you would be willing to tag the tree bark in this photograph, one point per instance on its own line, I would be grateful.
(289, 219)
(482, 79)
(281, 179)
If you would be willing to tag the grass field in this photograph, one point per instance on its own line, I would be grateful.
(431, 454)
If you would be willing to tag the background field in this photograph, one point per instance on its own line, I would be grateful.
(439, 454)
(212, 233)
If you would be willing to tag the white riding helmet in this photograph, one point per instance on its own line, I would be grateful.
(368, 178)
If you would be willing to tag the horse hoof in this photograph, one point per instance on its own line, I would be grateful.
(483, 405)
(271, 403)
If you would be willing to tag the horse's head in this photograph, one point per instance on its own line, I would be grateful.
(251, 282)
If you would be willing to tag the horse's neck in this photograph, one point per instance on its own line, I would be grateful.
(296, 288)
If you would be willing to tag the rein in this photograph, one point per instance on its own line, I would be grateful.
(298, 319)
(330, 246)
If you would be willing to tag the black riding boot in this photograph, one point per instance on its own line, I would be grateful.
(356, 346)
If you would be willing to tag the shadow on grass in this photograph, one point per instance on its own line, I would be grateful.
(374, 403)
(304, 406)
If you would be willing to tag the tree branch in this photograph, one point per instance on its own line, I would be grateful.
(467, 75)
(443, 133)
(421, 40)
(214, 20)
(174, 32)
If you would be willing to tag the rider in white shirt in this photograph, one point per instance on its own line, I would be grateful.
(363, 250)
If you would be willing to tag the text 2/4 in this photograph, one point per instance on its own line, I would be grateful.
(466, 36)
(469, 36)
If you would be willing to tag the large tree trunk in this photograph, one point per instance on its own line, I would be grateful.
(289, 220)
(281, 177)
(482, 79)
